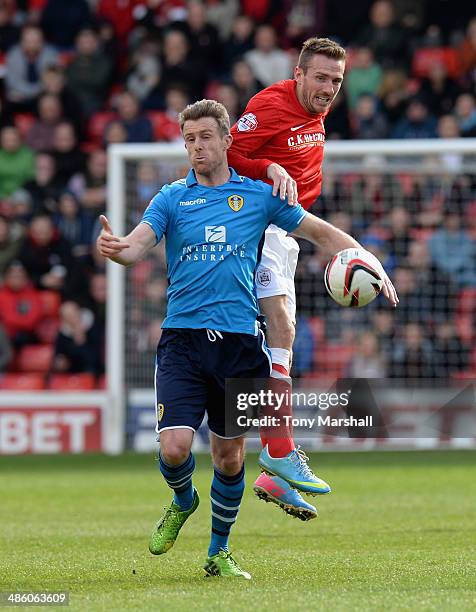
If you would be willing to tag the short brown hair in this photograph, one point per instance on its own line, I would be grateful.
(323, 46)
(206, 108)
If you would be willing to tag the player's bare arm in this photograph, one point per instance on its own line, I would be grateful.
(125, 250)
(331, 240)
(283, 183)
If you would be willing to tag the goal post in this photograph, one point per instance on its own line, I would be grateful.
(135, 168)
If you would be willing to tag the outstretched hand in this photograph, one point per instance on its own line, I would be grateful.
(389, 291)
(107, 243)
(283, 183)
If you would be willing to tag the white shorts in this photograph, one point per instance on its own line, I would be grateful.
(275, 271)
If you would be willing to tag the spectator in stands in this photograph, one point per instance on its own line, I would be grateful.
(267, 61)
(245, 83)
(74, 224)
(337, 121)
(239, 42)
(383, 324)
(364, 76)
(415, 300)
(226, 94)
(144, 70)
(16, 161)
(451, 354)
(90, 186)
(203, 39)
(384, 36)
(48, 259)
(398, 238)
(179, 67)
(98, 297)
(137, 125)
(452, 250)
(222, 15)
(40, 136)
(21, 305)
(9, 32)
(147, 181)
(68, 157)
(369, 122)
(448, 127)
(438, 90)
(304, 18)
(465, 112)
(44, 187)
(417, 123)
(437, 288)
(18, 206)
(10, 242)
(467, 49)
(367, 361)
(89, 73)
(54, 82)
(61, 21)
(115, 133)
(393, 94)
(168, 129)
(413, 355)
(25, 64)
(78, 346)
(5, 349)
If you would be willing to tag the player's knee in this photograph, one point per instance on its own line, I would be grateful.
(229, 463)
(174, 452)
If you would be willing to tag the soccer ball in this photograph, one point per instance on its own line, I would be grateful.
(354, 277)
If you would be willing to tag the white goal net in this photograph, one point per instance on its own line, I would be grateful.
(412, 203)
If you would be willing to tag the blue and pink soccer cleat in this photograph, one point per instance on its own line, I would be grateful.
(276, 490)
(295, 470)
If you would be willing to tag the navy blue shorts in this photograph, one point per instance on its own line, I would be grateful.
(191, 368)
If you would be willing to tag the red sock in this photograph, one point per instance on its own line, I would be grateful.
(280, 438)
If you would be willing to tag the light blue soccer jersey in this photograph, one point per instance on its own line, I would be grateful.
(212, 236)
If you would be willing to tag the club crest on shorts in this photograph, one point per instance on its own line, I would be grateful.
(263, 277)
(160, 411)
(235, 202)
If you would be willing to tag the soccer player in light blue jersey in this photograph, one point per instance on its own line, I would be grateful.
(213, 221)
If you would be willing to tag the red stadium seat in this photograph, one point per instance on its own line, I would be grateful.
(47, 330)
(423, 59)
(50, 303)
(332, 359)
(22, 382)
(97, 125)
(35, 358)
(72, 382)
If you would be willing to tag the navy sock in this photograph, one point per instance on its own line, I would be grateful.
(225, 495)
(179, 478)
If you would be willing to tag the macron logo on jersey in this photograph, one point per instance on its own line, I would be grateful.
(215, 233)
(192, 202)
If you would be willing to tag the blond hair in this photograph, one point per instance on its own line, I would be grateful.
(206, 108)
(322, 46)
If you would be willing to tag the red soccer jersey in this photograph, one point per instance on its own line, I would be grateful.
(276, 128)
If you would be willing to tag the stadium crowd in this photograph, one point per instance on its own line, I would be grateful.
(78, 76)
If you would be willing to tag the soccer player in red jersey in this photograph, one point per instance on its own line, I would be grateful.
(280, 139)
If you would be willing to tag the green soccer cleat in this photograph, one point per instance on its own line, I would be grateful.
(224, 566)
(164, 535)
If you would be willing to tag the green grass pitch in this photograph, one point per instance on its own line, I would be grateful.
(398, 532)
